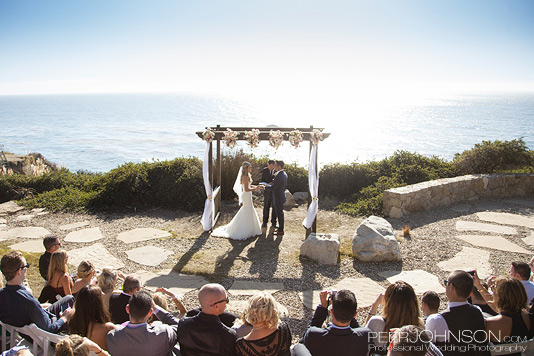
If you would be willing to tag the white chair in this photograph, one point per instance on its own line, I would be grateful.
(14, 336)
(526, 348)
(42, 340)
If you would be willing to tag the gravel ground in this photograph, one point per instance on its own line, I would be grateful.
(274, 259)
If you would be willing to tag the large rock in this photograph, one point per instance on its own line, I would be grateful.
(301, 197)
(290, 201)
(375, 241)
(323, 248)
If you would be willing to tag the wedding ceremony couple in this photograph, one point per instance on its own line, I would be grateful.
(246, 223)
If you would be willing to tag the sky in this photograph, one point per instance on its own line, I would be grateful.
(261, 47)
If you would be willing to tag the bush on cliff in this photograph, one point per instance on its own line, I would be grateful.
(497, 156)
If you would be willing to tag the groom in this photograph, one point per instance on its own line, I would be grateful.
(267, 176)
(279, 195)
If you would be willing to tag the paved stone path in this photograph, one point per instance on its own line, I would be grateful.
(476, 226)
(29, 232)
(506, 219)
(494, 242)
(95, 253)
(174, 281)
(529, 240)
(10, 207)
(148, 255)
(74, 226)
(29, 246)
(85, 235)
(240, 287)
(469, 259)
(142, 234)
(420, 280)
(27, 217)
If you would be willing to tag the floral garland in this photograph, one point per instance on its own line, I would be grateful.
(275, 138)
(230, 137)
(253, 137)
(316, 136)
(295, 138)
(208, 135)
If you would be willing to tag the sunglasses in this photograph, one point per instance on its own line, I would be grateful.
(227, 300)
(27, 265)
(447, 282)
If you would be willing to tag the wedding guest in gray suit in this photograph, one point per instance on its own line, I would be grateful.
(140, 338)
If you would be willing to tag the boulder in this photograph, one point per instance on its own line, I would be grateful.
(374, 241)
(290, 201)
(323, 248)
(301, 197)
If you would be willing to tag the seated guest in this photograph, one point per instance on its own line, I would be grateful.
(269, 336)
(192, 331)
(521, 271)
(58, 278)
(514, 323)
(457, 325)
(339, 338)
(159, 299)
(107, 281)
(138, 337)
(18, 307)
(75, 345)
(401, 307)
(86, 272)
(411, 340)
(478, 300)
(118, 302)
(430, 303)
(90, 319)
(51, 244)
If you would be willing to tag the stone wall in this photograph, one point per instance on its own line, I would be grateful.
(399, 202)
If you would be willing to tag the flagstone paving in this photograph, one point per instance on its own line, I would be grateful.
(529, 203)
(240, 287)
(494, 242)
(37, 210)
(27, 217)
(29, 246)
(365, 289)
(85, 235)
(468, 259)
(148, 255)
(95, 253)
(177, 283)
(3, 227)
(476, 226)
(529, 240)
(420, 280)
(142, 234)
(73, 226)
(3, 221)
(30, 232)
(10, 207)
(506, 219)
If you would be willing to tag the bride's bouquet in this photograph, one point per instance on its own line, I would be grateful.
(316, 136)
(253, 137)
(295, 138)
(275, 138)
(230, 138)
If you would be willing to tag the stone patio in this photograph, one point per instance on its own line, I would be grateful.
(476, 226)
(85, 235)
(29, 246)
(148, 255)
(142, 234)
(175, 282)
(469, 259)
(240, 287)
(494, 242)
(29, 232)
(506, 219)
(529, 240)
(420, 280)
(95, 253)
(73, 226)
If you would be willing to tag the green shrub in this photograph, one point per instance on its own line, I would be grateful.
(497, 156)
(61, 199)
(342, 180)
(297, 180)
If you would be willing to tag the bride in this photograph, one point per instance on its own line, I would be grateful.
(245, 223)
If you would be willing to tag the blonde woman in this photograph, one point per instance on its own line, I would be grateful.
(269, 335)
(58, 278)
(107, 281)
(245, 223)
(86, 272)
(76, 345)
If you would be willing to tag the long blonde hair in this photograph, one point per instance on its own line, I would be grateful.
(245, 172)
(58, 262)
(401, 306)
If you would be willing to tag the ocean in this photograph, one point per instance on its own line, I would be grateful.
(98, 132)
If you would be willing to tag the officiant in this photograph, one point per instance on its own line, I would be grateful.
(267, 177)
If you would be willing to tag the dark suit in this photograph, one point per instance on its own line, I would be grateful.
(44, 262)
(117, 308)
(351, 341)
(144, 339)
(279, 196)
(267, 177)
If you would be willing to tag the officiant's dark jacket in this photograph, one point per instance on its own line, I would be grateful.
(267, 177)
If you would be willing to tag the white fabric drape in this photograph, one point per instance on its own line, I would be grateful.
(209, 206)
(313, 182)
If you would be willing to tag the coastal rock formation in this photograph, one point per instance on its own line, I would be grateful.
(374, 241)
(323, 248)
(33, 164)
(402, 201)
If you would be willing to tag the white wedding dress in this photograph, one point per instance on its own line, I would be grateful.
(244, 224)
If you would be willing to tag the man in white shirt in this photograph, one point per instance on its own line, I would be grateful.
(521, 271)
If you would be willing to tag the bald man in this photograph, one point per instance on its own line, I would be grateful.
(204, 334)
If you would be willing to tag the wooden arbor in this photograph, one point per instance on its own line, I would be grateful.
(263, 136)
